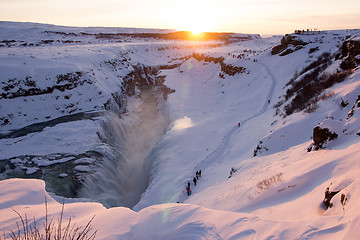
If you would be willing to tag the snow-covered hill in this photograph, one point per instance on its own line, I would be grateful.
(128, 122)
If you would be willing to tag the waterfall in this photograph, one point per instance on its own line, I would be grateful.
(123, 173)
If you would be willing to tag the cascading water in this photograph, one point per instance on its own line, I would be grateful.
(123, 174)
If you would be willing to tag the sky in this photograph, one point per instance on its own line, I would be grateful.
(242, 16)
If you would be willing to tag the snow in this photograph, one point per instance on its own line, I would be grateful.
(63, 136)
(276, 195)
(63, 175)
(82, 168)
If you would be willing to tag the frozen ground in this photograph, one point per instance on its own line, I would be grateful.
(275, 195)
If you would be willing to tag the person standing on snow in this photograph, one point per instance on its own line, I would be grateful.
(188, 189)
(194, 180)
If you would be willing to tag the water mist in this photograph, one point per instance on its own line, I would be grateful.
(123, 174)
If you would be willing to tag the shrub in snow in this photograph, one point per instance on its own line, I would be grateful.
(269, 182)
(313, 50)
(232, 171)
(321, 136)
(304, 91)
(309, 87)
(259, 149)
(349, 51)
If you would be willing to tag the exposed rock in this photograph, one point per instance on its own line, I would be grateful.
(321, 136)
(286, 42)
(14, 88)
(228, 69)
(353, 109)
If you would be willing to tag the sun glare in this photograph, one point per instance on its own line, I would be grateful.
(183, 123)
(199, 18)
(196, 32)
(198, 25)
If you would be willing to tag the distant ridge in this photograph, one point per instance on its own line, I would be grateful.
(11, 30)
(45, 26)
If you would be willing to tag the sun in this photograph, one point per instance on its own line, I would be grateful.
(199, 18)
(197, 30)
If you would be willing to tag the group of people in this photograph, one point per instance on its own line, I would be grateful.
(195, 179)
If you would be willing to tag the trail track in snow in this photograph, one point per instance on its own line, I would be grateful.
(214, 155)
(226, 139)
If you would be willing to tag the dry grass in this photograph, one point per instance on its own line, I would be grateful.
(52, 230)
(269, 182)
